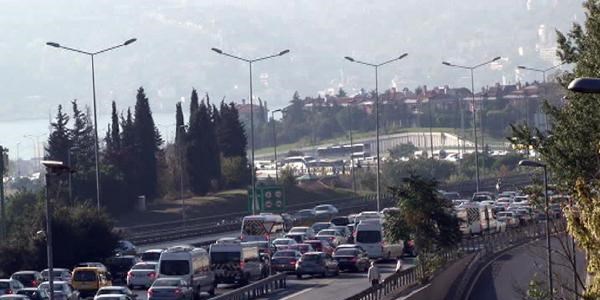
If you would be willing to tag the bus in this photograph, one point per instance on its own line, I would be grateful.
(255, 228)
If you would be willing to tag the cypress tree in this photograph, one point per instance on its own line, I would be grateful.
(179, 123)
(58, 140)
(196, 151)
(82, 140)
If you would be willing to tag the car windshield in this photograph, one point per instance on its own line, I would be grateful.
(281, 242)
(347, 252)
(368, 236)
(298, 230)
(284, 254)
(4, 285)
(57, 287)
(84, 275)
(144, 267)
(166, 282)
(150, 256)
(327, 232)
(111, 291)
(24, 277)
(218, 257)
(174, 267)
(321, 208)
(311, 257)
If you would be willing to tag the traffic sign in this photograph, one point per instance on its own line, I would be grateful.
(269, 198)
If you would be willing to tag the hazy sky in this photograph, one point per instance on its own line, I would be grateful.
(174, 37)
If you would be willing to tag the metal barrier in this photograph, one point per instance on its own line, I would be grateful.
(256, 289)
(486, 246)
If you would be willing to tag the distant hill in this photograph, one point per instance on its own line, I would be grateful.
(172, 54)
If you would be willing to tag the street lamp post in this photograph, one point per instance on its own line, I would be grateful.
(275, 143)
(376, 67)
(350, 103)
(472, 68)
(180, 154)
(535, 164)
(53, 169)
(17, 161)
(543, 71)
(35, 141)
(91, 55)
(250, 62)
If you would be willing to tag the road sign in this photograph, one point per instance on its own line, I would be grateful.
(269, 198)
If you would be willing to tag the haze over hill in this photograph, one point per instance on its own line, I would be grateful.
(174, 37)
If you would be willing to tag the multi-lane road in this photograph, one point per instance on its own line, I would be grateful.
(339, 287)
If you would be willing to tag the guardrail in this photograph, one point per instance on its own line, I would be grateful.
(257, 289)
(486, 246)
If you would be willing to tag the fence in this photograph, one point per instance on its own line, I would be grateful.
(485, 246)
(256, 289)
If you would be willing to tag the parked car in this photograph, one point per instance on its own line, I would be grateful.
(316, 263)
(10, 286)
(60, 274)
(285, 260)
(115, 290)
(282, 243)
(142, 274)
(352, 259)
(62, 290)
(170, 289)
(303, 229)
(35, 293)
(302, 248)
(318, 226)
(151, 255)
(118, 266)
(320, 246)
(125, 248)
(326, 210)
(28, 278)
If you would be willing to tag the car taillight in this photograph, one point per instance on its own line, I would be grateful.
(130, 274)
(354, 259)
(292, 262)
(152, 275)
(242, 264)
(178, 292)
(8, 291)
(34, 283)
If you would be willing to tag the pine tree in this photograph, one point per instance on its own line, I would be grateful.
(196, 150)
(113, 139)
(82, 140)
(146, 144)
(58, 140)
(179, 126)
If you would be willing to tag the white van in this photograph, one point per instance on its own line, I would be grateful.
(368, 235)
(233, 262)
(470, 218)
(189, 263)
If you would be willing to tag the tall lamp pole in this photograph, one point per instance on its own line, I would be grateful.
(275, 143)
(543, 71)
(472, 68)
(179, 144)
(250, 62)
(70, 173)
(91, 55)
(53, 169)
(350, 103)
(535, 164)
(376, 67)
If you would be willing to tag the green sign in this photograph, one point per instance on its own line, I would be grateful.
(269, 198)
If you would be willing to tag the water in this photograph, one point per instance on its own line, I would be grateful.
(26, 138)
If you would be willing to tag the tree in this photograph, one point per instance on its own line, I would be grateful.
(571, 150)
(232, 143)
(424, 216)
(146, 144)
(196, 150)
(113, 136)
(403, 150)
(82, 154)
(58, 141)
(341, 93)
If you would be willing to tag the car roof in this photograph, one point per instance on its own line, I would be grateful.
(25, 272)
(147, 263)
(113, 287)
(301, 227)
(154, 251)
(328, 223)
(313, 253)
(55, 282)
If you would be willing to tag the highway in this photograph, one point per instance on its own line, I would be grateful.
(508, 277)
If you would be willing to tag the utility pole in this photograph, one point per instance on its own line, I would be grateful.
(3, 169)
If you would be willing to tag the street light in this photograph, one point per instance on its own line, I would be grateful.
(250, 62)
(585, 85)
(376, 67)
(91, 55)
(535, 164)
(53, 169)
(179, 146)
(350, 103)
(472, 68)
(275, 143)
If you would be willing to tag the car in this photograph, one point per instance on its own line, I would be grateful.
(98, 265)
(118, 266)
(320, 246)
(352, 259)
(125, 248)
(170, 289)
(508, 194)
(318, 226)
(113, 297)
(142, 274)
(60, 274)
(115, 290)
(302, 248)
(151, 255)
(481, 196)
(304, 215)
(263, 247)
(62, 290)
(87, 280)
(349, 246)
(282, 243)
(525, 216)
(343, 230)
(10, 286)
(340, 221)
(288, 221)
(34, 293)
(28, 278)
(326, 210)
(15, 297)
(310, 233)
(334, 236)
(285, 260)
(504, 201)
(232, 262)
(367, 215)
(451, 195)
(316, 263)
(521, 200)
(297, 236)
(508, 217)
